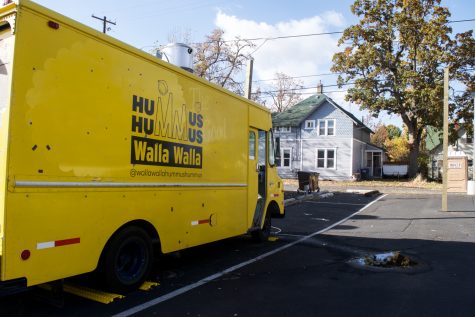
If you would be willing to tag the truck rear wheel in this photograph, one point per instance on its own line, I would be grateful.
(127, 260)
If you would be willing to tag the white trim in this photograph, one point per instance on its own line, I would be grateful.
(325, 158)
(351, 159)
(325, 127)
(283, 159)
(312, 123)
(286, 129)
(301, 151)
(318, 127)
(372, 162)
(47, 184)
(334, 127)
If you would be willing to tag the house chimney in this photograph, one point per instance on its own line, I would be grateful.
(319, 88)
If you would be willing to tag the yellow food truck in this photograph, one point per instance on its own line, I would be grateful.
(109, 154)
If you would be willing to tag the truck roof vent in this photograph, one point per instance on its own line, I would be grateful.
(178, 54)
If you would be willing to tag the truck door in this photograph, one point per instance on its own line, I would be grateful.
(257, 174)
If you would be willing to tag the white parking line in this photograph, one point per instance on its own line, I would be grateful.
(333, 203)
(212, 277)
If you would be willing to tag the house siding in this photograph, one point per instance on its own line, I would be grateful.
(341, 142)
(361, 134)
(358, 149)
(343, 166)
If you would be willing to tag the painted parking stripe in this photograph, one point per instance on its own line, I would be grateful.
(333, 203)
(57, 243)
(212, 277)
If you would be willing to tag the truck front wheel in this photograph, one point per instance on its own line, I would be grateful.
(127, 260)
(261, 235)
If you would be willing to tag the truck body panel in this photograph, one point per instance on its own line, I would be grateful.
(97, 134)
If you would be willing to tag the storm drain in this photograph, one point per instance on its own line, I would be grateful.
(392, 261)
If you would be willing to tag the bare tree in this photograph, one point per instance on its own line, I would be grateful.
(284, 92)
(221, 61)
(179, 35)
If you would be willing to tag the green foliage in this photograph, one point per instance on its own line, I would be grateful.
(393, 131)
(397, 149)
(423, 162)
(395, 58)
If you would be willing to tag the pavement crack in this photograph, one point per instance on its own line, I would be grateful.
(408, 225)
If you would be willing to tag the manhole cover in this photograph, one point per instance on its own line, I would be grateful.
(388, 261)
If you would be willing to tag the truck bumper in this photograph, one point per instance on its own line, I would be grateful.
(12, 286)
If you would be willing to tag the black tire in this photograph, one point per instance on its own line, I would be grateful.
(263, 234)
(127, 260)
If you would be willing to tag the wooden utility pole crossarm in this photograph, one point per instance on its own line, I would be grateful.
(104, 23)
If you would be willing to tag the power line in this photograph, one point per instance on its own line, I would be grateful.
(332, 74)
(307, 93)
(307, 34)
(294, 77)
(460, 21)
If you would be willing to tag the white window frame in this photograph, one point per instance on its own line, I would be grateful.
(285, 129)
(325, 121)
(325, 158)
(282, 157)
(309, 124)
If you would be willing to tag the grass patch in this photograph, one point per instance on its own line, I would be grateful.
(409, 183)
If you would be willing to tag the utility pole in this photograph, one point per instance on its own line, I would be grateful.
(104, 23)
(248, 84)
(445, 141)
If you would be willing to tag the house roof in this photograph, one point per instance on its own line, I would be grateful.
(295, 115)
(433, 138)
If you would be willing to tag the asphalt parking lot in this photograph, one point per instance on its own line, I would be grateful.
(305, 272)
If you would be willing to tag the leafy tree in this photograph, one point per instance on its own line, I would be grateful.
(220, 61)
(393, 131)
(283, 92)
(380, 135)
(395, 58)
(397, 149)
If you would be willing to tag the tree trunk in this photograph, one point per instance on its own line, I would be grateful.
(415, 137)
(413, 164)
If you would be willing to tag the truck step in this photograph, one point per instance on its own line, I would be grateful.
(92, 294)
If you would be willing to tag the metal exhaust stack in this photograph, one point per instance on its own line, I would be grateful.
(178, 54)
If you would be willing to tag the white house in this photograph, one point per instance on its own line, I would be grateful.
(319, 135)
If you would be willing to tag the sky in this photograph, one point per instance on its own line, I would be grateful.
(146, 24)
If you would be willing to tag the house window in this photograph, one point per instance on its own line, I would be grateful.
(285, 129)
(330, 127)
(469, 138)
(309, 124)
(326, 158)
(321, 127)
(326, 127)
(286, 157)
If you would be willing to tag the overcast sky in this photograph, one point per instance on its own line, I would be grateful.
(146, 23)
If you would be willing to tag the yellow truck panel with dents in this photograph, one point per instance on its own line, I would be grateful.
(105, 150)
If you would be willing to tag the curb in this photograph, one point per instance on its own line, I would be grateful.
(365, 192)
(300, 199)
